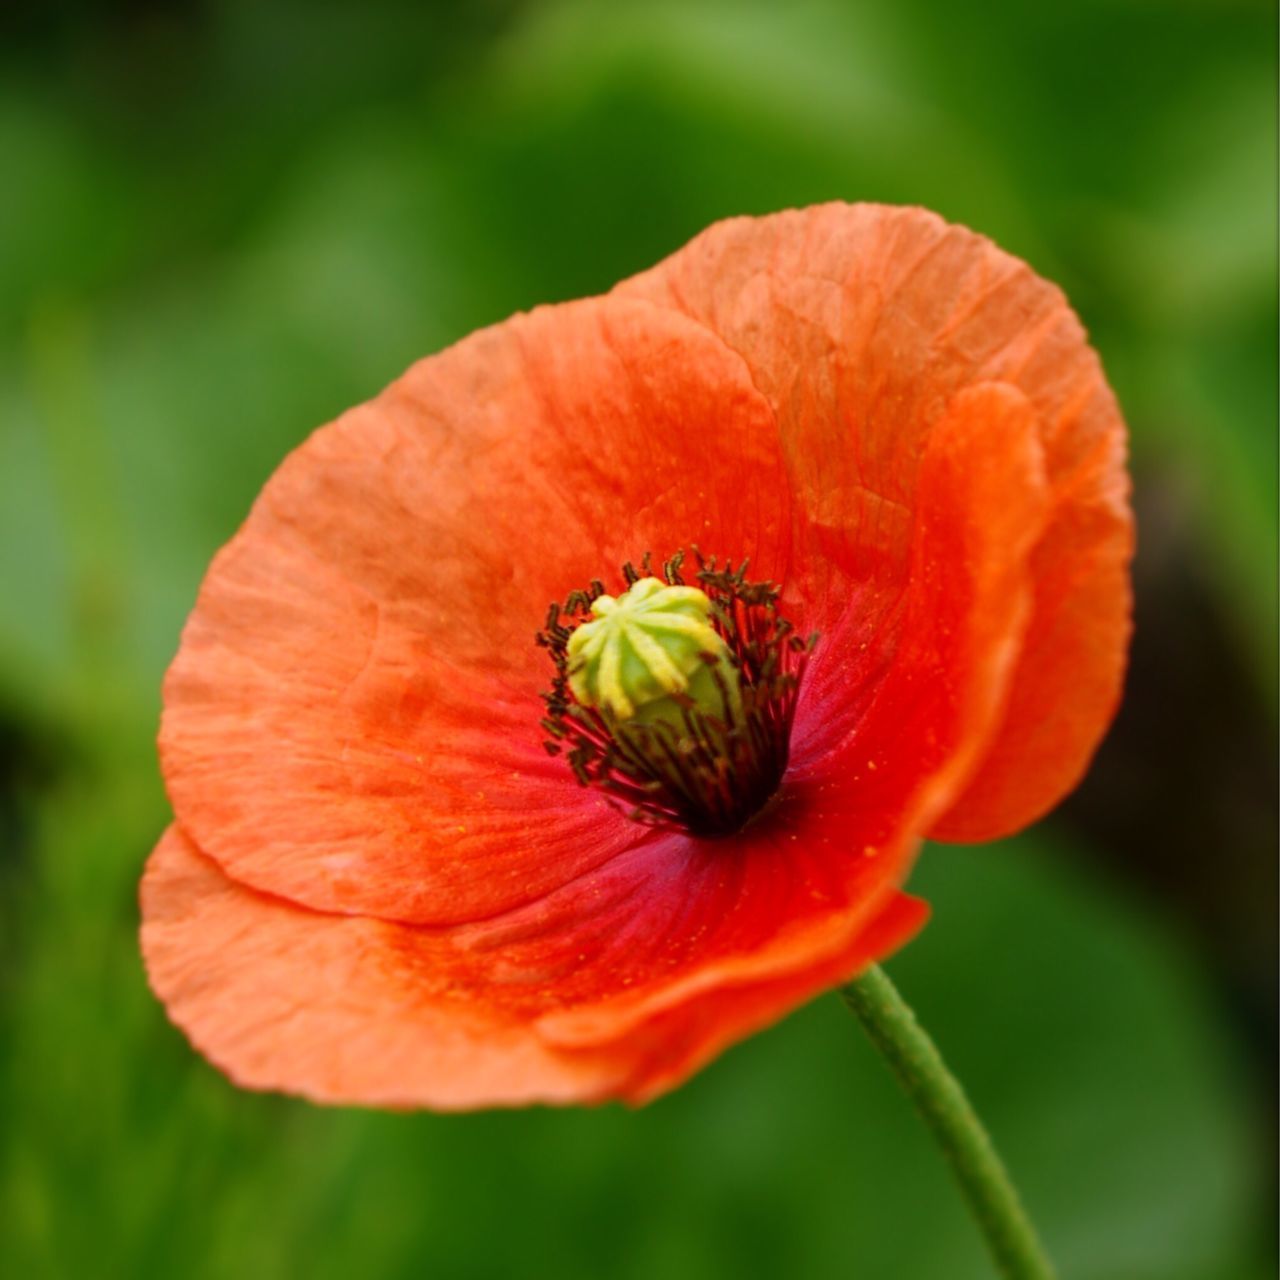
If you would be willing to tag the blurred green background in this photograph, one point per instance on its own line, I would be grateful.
(222, 223)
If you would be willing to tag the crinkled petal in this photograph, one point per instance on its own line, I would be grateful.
(352, 717)
(779, 897)
(860, 324)
(344, 1009)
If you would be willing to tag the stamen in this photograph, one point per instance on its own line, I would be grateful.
(690, 730)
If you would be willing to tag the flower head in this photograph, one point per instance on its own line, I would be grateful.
(418, 859)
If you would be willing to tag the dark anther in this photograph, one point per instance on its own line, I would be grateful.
(708, 774)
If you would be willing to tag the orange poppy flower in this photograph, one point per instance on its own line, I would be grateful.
(381, 887)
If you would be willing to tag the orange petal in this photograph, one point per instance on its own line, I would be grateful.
(860, 324)
(328, 1007)
(342, 1009)
(780, 897)
(352, 718)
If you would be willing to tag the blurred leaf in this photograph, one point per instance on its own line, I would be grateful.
(222, 226)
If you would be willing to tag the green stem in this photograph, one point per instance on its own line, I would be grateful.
(938, 1097)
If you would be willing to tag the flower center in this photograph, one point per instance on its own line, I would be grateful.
(676, 700)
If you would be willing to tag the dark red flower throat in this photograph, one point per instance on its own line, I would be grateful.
(710, 764)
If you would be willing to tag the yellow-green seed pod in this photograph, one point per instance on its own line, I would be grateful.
(644, 648)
